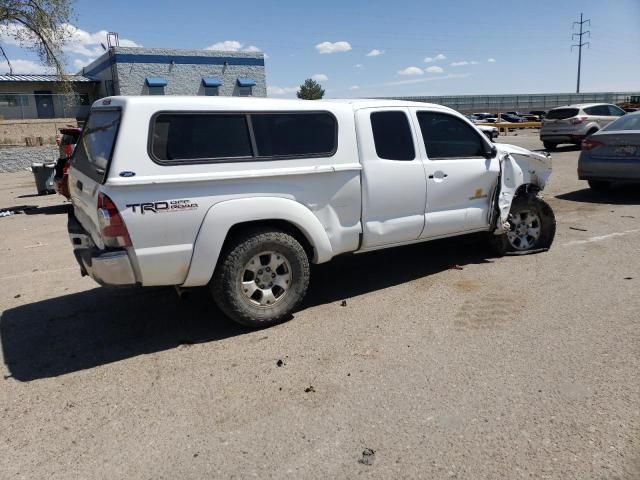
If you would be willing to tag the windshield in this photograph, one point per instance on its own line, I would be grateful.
(562, 113)
(628, 122)
(95, 146)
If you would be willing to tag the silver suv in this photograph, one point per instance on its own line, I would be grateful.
(573, 123)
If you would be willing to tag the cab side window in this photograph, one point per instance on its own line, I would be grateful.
(598, 110)
(392, 136)
(446, 136)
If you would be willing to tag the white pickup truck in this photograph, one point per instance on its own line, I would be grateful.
(241, 194)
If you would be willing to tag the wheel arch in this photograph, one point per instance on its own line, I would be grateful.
(229, 219)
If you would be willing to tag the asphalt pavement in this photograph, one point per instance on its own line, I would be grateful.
(430, 361)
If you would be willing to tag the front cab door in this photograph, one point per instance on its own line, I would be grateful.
(393, 177)
(462, 173)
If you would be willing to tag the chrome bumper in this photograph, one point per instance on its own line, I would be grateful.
(107, 267)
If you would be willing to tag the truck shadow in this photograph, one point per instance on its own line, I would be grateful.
(99, 326)
(621, 194)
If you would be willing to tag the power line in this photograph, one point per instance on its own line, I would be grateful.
(580, 44)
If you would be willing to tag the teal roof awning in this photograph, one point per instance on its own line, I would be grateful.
(155, 82)
(211, 82)
(246, 82)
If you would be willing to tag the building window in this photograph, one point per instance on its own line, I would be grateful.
(156, 85)
(211, 86)
(13, 100)
(245, 86)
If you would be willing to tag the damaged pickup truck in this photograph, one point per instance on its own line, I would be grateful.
(241, 195)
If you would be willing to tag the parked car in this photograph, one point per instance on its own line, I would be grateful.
(540, 113)
(66, 140)
(491, 132)
(574, 123)
(530, 118)
(612, 154)
(507, 117)
(241, 195)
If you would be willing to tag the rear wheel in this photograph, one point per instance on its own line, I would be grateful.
(599, 185)
(532, 226)
(261, 278)
(550, 145)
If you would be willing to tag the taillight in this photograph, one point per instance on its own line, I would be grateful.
(578, 120)
(114, 231)
(68, 149)
(67, 166)
(588, 144)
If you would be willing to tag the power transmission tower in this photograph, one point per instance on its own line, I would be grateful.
(580, 44)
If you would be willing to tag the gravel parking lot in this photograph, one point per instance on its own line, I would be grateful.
(444, 362)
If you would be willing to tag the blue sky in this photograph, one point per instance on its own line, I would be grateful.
(528, 42)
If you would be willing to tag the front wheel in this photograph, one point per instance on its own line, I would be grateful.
(532, 227)
(261, 278)
(550, 146)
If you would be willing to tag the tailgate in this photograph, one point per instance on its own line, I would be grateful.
(89, 167)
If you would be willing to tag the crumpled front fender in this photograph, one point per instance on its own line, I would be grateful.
(518, 167)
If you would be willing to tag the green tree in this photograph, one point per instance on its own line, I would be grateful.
(310, 90)
(40, 25)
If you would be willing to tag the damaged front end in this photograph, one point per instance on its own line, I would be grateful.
(521, 172)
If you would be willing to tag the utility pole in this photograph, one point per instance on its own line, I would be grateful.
(580, 44)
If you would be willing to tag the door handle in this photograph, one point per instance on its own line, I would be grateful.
(444, 175)
(79, 185)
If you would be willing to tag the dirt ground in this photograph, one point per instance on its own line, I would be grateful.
(444, 362)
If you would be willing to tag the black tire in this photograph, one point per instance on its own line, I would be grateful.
(590, 132)
(500, 243)
(226, 286)
(550, 146)
(599, 185)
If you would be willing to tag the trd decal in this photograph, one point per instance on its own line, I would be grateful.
(163, 207)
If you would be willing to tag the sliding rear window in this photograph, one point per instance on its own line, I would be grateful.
(194, 137)
(95, 147)
(562, 113)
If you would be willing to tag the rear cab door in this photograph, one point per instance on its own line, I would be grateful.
(393, 177)
(89, 167)
(461, 175)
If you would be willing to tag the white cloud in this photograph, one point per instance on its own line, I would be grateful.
(354, 87)
(426, 79)
(358, 65)
(437, 58)
(410, 71)
(491, 60)
(80, 63)
(25, 67)
(375, 53)
(319, 77)
(459, 64)
(87, 44)
(335, 47)
(274, 90)
(434, 69)
(233, 46)
(474, 62)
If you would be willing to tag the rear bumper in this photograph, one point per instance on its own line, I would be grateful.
(106, 267)
(565, 138)
(612, 170)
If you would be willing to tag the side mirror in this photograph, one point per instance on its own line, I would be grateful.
(491, 152)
